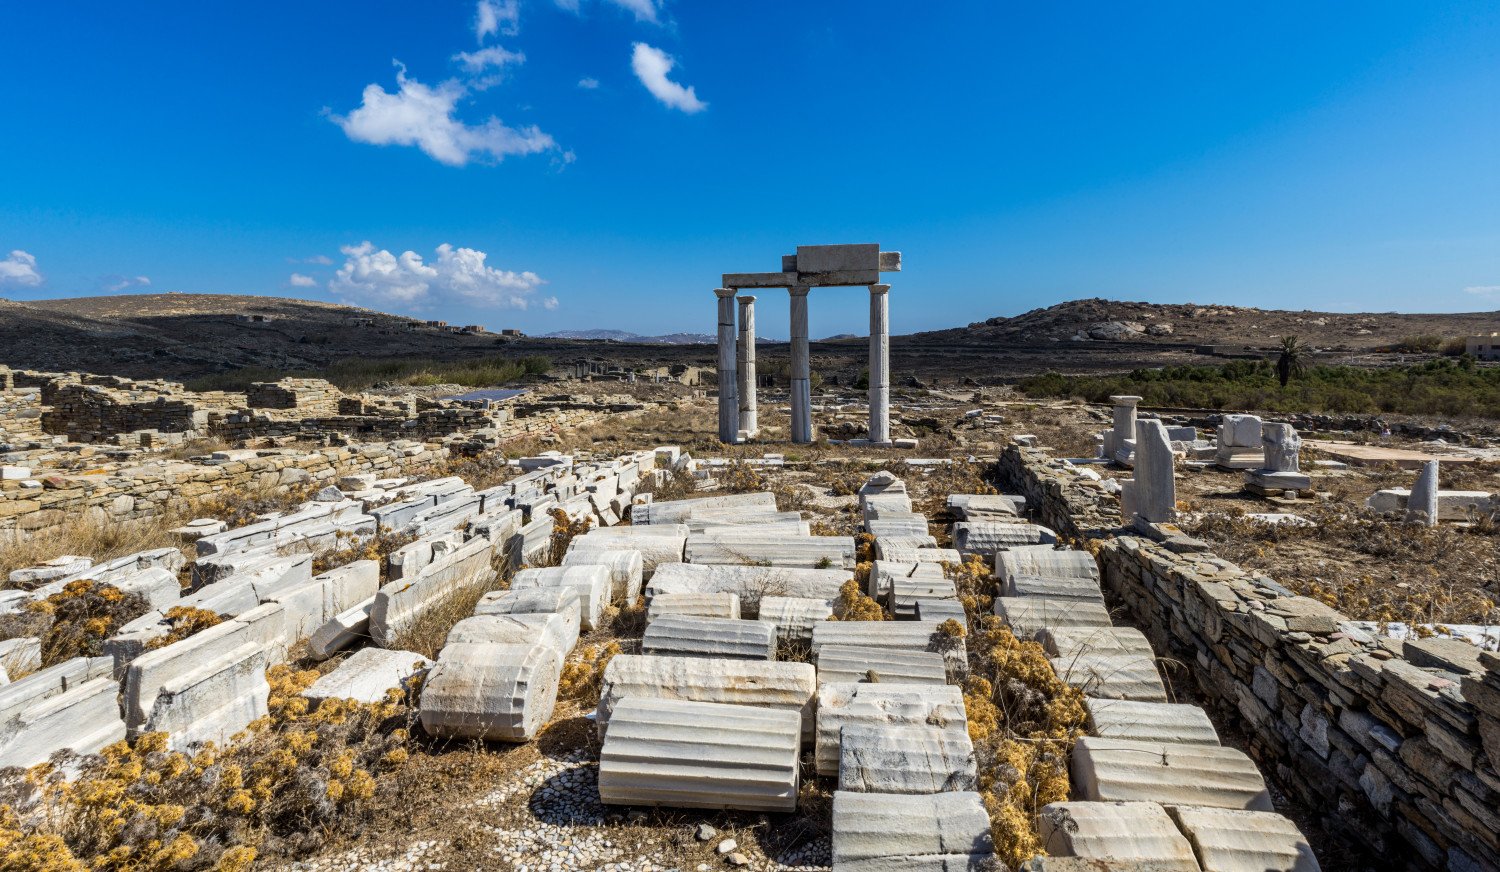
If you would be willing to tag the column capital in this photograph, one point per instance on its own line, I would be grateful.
(880, 289)
(725, 292)
(745, 301)
(799, 290)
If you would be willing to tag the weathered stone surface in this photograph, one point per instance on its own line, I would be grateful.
(20, 656)
(1028, 616)
(709, 637)
(1069, 642)
(147, 673)
(1054, 588)
(214, 700)
(879, 832)
(755, 548)
(683, 754)
(342, 630)
(1108, 770)
(626, 569)
(905, 759)
(788, 686)
(551, 630)
(976, 507)
(1229, 840)
(988, 537)
(401, 604)
(940, 610)
(491, 691)
(794, 617)
(673, 512)
(413, 557)
(1422, 505)
(856, 663)
(1045, 561)
(591, 581)
(1136, 831)
(897, 635)
(694, 605)
(657, 545)
(368, 675)
(1151, 722)
(848, 704)
(534, 601)
(83, 718)
(749, 583)
(1113, 676)
(885, 573)
(43, 684)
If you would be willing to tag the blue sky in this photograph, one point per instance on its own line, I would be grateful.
(1287, 155)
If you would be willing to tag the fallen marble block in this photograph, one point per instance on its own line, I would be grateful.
(939, 610)
(657, 544)
(84, 719)
(51, 570)
(857, 663)
(146, 674)
(749, 583)
(1045, 561)
(786, 686)
(709, 637)
(1068, 642)
(694, 605)
(1109, 770)
(893, 832)
(1227, 840)
(884, 574)
(116, 571)
(1054, 587)
(1270, 482)
(213, 701)
(401, 604)
(897, 635)
(891, 544)
(767, 549)
(533, 542)
(682, 754)
(1113, 676)
(840, 705)
(678, 511)
(626, 569)
(907, 593)
(534, 601)
(794, 617)
(591, 581)
(551, 630)
(342, 630)
(310, 605)
(368, 675)
(1168, 723)
(413, 557)
(1027, 617)
(988, 537)
(903, 554)
(901, 759)
(23, 693)
(1453, 505)
(909, 525)
(1124, 831)
(491, 691)
(280, 530)
(977, 507)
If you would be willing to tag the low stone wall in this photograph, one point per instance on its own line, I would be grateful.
(1374, 737)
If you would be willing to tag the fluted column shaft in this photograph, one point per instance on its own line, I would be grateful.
(729, 402)
(880, 364)
(801, 369)
(746, 363)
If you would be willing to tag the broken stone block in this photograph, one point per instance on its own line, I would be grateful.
(905, 759)
(856, 663)
(20, 656)
(1168, 723)
(694, 605)
(534, 601)
(769, 549)
(1229, 840)
(43, 684)
(681, 754)
(213, 701)
(988, 537)
(982, 507)
(57, 567)
(491, 691)
(794, 617)
(657, 544)
(1045, 561)
(1054, 588)
(1113, 676)
(591, 581)
(898, 635)
(84, 718)
(342, 631)
(368, 675)
(551, 630)
(626, 569)
(400, 604)
(890, 832)
(749, 583)
(413, 557)
(1069, 642)
(1028, 616)
(709, 637)
(1124, 831)
(885, 573)
(841, 704)
(1109, 770)
(787, 686)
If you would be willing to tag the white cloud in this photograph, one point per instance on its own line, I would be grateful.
(298, 280)
(120, 283)
(651, 66)
(644, 10)
(319, 259)
(588, 83)
(456, 275)
(550, 303)
(421, 115)
(19, 269)
(494, 56)
(497, 16)
(1476, 290)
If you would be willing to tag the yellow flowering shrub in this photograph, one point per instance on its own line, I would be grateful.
(84, 613)
(185, 621)
(853, 605)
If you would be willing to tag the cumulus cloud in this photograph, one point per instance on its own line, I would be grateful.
(1476, 290)
(121, 283)
(423, 116)
(588, 83)
(456, 275)
(497, 16)
(651, 66)
(20, 269)
(494, 56)
(298, 280)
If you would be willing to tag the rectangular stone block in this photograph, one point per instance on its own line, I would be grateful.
(1109, 770)
(710, 637)
(1046, 561)
(83, 719)
(881, 832)
(914, 759)
(1125, 831)
(1228, 840)
(794, 617)
(897, 635)
(857, 663)
(368, 675)
(212, 702)
(1028, 616)
(399, 605)
(694, 605)
(750, 583)
(1168, 723)
(1054, 588)
(1113, 676)
(841, 705)
(785, 686)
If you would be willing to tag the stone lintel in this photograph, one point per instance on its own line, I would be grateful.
(761, 280)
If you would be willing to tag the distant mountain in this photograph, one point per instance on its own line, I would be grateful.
(627, 336)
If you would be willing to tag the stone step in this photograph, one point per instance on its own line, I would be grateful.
(682, 754)
(842, 704)
(710, 637)
(491, 691)
(1123, 831)
(1113, 676)
(889, 832)
(898, 759)
(694, 605)
(1124, 770)
(1227, 840)
(1027, 617)
(591, 582)
(857, 663)
(787, 686)
(1151, 722)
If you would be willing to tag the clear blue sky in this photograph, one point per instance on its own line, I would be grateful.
(1289, 155)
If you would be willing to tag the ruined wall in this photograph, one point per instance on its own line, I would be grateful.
(312, 396)
(1383, 741)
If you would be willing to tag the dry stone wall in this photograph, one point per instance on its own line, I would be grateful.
(1382, 740)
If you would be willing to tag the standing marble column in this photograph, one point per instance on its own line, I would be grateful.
(801, 369)
(729, 401)
(880, 365)
(1154, 496)
(1119, 445)
(747, 366)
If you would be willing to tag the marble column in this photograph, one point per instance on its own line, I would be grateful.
(1422, 505)
(802, 430)
(1155, 493)
(1117, 446)
(747, 365)
(729, 401)
(880, 365)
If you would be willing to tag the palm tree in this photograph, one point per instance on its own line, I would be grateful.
(1293, 356)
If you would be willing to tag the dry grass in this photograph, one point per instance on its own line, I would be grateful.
(84, 537)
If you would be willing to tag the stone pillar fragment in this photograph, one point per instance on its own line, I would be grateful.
(1119, 443)
(1281, 444)
(802, 431)
(880, 365)
(1154, 497)
(747, 366)
(729, 403)
(1422, 505)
